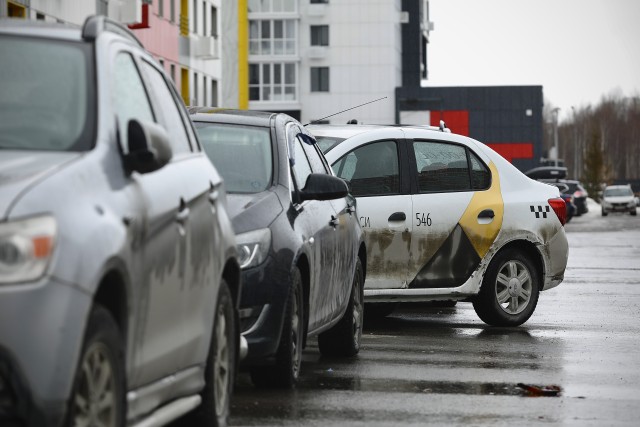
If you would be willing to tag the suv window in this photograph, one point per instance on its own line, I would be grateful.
(129, 96)
(47, 94)
(169, 114)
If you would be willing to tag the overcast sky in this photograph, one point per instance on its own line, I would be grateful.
(578, 50)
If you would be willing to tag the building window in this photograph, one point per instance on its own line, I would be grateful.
(214, 21)
(172, 68)
(319, 35)
(272, 82)
(272, 6)
(102, 7)
(195, 17)
(161, 62)
(40, 16)
(319, 1)
(195, 89)
(161, 8)
(16, 10)
(172, 12)
(214, 93)
(272, 37)
(204, 18)
(319, 79)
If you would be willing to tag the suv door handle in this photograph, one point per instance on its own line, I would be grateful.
(487, 213)
(183, 213)
(334, 221)
(398, 216)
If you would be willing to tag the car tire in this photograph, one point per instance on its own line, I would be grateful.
(221, 365)
(633, 212)
(379, 310)
(510, 289)
(604, 213)
(99, 379)
(289, 354)
(343, 340)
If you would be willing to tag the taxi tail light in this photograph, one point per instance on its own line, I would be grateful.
(559, 206)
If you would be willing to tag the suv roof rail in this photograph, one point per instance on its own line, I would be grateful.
(96, 24)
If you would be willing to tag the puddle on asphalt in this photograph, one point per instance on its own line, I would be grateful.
(403, 386)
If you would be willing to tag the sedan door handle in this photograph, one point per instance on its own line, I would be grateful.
(334, 221)
(398, 216)
(487, 213)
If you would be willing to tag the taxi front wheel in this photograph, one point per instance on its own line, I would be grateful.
(510, 289)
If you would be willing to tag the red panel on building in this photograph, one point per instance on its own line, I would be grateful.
(456, 120)
(516, 150)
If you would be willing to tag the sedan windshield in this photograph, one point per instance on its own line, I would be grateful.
(617, 192)
(47, 95)
(242, 155)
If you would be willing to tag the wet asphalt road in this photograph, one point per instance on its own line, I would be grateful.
(442, 366)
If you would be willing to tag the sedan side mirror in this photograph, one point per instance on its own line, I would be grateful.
(321, 186)
(148, 145)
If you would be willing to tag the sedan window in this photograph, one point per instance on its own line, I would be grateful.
(371, 169)
(441, 167)
(242, 155)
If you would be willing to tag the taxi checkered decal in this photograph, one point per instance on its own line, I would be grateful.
(540, 211)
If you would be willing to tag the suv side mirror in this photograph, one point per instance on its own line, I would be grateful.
(320, 186)
(148, 145)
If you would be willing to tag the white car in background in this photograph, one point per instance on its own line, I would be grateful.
(618, 198)
(446, 218)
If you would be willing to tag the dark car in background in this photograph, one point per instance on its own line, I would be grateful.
(119, 281)
(301, 248)
(567, 196)
(558, 175)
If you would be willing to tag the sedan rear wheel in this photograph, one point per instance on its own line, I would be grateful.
(510, 290)
(343, 340)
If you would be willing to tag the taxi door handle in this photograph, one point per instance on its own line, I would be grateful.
(334, 221)
(398, 216)
(487, 213)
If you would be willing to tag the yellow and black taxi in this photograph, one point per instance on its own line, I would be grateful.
(446, 218)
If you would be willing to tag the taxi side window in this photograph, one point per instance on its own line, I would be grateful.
(371, 170)
(441, 167)
(480, 174)
(129, 97)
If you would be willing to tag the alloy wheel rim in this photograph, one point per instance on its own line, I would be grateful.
(221, 364)
(513, 287)
(295, 337)
(95, 401)
(357, 312)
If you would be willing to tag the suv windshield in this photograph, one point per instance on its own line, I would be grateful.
(617, 192)
(242, 155)
(47, 94)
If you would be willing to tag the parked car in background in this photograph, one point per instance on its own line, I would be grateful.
(618, 198)
(301, 247)
(447, 218)
(558, 175)
(567, 196)
(119, 281)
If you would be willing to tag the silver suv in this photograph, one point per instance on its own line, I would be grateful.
(119, 282)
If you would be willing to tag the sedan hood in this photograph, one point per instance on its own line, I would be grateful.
(20, 170)
(253, 211)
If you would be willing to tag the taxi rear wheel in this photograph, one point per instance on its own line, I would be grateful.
(510, 290)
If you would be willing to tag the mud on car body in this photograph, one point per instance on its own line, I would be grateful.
(119, 281)
(447, 218)
(302, 249)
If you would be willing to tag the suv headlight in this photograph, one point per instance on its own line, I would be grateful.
(253, 247)
(26, 247)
